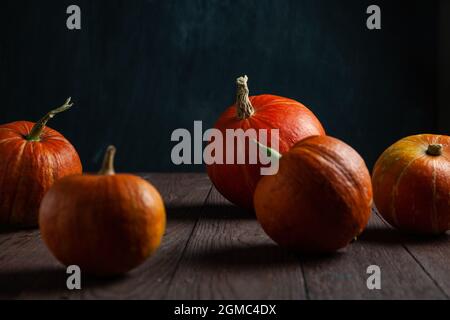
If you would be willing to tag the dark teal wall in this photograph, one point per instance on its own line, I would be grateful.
(139, 69)
(444, 67)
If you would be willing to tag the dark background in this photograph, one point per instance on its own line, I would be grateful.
(139, 69)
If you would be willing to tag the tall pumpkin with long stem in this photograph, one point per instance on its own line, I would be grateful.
(237, 182)
(33, 157)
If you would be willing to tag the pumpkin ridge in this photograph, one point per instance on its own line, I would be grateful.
(279, 104)
(243, 168)
(395, 188)
(55, 160)
(436, 139)
(56, 143)
(331, 163)
(341, 168)
(3, 179)
(18, 182)
(51, 136)
(434, 222)
(262, 121)
(9, 129)
(281, 133)
(274, 98)
(266, 124)
(8, 139)
(445, 157)
(313, 204)
(24, 127)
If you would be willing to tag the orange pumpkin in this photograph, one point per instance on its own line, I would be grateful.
(107, 224)
(237, 182)
(411, 183)
(33, 157)
(319, 200)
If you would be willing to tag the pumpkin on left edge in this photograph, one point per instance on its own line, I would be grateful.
(33, 157)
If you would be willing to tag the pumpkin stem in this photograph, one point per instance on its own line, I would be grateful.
(435, 149)
(243, 105)
(270, 152)
(108, 162)
(38, 128)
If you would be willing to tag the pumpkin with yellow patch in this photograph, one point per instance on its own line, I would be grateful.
(411, 184)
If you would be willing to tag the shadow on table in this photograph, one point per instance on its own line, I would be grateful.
(389, 236)
(265, 256)
(9, 230)
(45, 280)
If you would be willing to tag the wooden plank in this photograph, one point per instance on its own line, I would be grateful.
(22, 260)
(432, 254)
(434, 257)
(230, 257)
(343, 275)
(31, 272)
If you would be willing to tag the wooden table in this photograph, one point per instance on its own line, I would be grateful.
(213, 250)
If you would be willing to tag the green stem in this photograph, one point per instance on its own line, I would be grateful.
(108, 162)
(270, 152)
(38, 128)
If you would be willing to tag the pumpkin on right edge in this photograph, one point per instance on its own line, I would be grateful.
(411, 184)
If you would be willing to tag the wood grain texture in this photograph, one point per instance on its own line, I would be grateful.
(213, 250)
(31, 271)
(230, 257)
(343, 274)
(22, 259)
(431, 253)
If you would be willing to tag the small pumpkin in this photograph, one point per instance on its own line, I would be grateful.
(411, 184)
(107, 224)
(319, 200)
(237, 182)
(33, 157)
